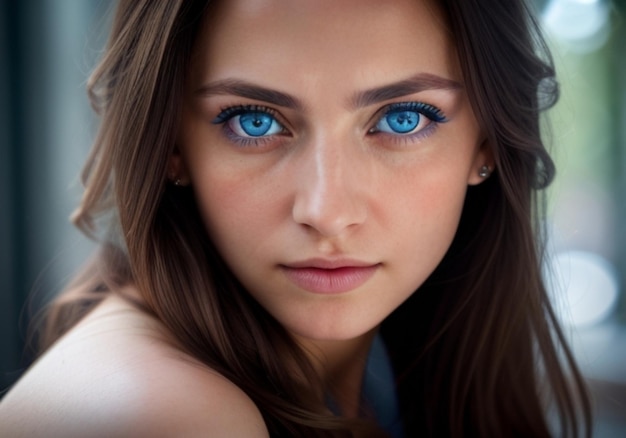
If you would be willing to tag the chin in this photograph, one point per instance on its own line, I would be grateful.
(332, 331)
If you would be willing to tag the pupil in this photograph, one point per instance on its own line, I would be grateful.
(255, 124)
(403, 121)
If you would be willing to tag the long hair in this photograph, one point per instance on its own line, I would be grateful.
(489, 357)
(470, 347)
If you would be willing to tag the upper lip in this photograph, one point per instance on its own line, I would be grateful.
(321, 263)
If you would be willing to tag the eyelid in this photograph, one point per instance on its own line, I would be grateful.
(227, 113)
(430, 111)
(433, 114)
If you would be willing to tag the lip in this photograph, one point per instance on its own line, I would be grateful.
(329, 277)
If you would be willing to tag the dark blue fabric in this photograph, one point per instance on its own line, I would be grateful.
(379, 390)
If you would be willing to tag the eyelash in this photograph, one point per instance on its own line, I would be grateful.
(434, 115)
(431, 112)
(228, 113)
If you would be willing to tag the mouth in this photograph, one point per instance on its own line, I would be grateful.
(329, 277)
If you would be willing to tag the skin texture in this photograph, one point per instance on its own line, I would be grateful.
(119, 374)
(328, 186)
(325, 187)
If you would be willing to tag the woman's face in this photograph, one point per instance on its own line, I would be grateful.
(329, 145)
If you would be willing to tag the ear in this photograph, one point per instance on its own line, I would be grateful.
(176, 169)
(483, 164)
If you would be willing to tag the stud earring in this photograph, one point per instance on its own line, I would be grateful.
(484, 171)
(177, 182)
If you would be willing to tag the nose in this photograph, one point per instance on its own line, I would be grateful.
(331, 187)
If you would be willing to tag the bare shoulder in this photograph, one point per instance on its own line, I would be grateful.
(116, 375)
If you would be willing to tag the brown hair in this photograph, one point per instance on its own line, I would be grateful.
(470, 347)
(488, 336)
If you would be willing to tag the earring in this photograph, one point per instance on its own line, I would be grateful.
(177, 182)
(484, 171)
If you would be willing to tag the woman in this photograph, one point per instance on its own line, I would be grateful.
(305, 202)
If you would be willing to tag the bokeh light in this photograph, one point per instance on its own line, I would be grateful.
(585, 287)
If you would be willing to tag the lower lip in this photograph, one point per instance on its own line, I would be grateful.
(330, 281)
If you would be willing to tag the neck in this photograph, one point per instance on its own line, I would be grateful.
(341, 365)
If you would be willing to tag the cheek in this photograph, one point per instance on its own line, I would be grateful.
(237, 212)
(423, 217)
(436, 216)
(429, 191)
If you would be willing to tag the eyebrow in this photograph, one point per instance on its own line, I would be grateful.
(415, 84)
(244, 89)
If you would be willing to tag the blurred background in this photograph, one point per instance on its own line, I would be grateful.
(49, 47)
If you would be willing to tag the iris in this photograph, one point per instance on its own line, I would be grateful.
(255, 124)
(402, 121)
(405, 118)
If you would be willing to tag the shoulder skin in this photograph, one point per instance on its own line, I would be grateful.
(116, 375)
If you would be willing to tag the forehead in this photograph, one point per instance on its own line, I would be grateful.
(354, 41)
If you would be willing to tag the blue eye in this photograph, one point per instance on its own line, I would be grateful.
(249, 121)
(408, 118)
(254, 124)
(401, 121)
